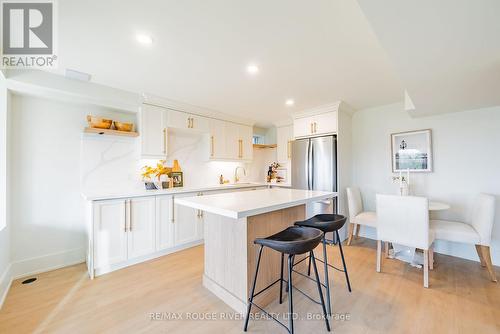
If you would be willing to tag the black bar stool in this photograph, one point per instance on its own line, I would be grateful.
(293, 241)
(327, 223)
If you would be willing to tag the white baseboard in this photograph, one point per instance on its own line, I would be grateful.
(5, 283)
(47, 262)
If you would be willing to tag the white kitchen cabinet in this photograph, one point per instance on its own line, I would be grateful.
(186, 121)
(325, 123)
(157, 121)
(233, 144)
(164, 222)
(141, 226)
(246, 144)
(217, 140)
(188, 223)
(284, 138)
(302, 127)
(315, 125)
(153, 131)
(230, 141)
(110, 233)
(123, 230)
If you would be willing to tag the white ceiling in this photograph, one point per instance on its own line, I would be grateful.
(446, 52)
(315, 52)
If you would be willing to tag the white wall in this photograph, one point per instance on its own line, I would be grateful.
(47, 220)
(5, 276)
(466, 162)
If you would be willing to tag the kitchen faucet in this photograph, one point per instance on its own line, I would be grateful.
(236, 178)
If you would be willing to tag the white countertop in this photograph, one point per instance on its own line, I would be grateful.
(249, 203)
(128, 193)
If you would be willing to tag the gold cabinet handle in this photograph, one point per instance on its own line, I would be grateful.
(172, 219)
(189, 122)
(288, 149)
(165, 141)
(199, 213)
(192, 123)
(125, 221)
(312, 128)
(129, 215)
(315, 127)
(212, 146)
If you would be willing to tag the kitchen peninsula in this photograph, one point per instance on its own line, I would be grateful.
(232, 222)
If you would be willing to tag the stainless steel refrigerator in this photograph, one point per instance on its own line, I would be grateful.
(314, 167)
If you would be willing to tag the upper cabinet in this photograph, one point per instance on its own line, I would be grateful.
(315, 125)
(226, 140)
(189, 122)
(284, 138)
(246, 142)
(319, 121)
(230, 141)
(153, 129)
(217, 140)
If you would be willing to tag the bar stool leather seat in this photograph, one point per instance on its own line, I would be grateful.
(324, 222)
(293, 240)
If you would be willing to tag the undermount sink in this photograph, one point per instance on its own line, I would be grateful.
(239, 184)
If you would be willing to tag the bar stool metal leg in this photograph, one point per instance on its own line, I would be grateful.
(327, 281)
(281, 277)
(290, 298)
(343, 262)
(250, 301)
(309, 267)
(320, 291)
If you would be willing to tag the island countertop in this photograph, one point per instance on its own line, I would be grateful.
(249, 203)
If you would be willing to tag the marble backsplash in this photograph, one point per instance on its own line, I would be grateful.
(111, 164)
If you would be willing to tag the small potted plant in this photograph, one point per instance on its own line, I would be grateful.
(272, 172)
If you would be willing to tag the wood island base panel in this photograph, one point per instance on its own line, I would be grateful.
(231, 255)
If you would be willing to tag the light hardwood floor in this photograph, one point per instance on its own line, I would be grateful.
(461, 299)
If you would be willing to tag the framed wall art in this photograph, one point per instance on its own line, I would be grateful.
(412, 151)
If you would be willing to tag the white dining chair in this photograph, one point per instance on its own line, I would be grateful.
(476, 232)
(357, 216)
(404, 220)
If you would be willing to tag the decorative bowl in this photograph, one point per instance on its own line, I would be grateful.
(124, 126)
(99, 123)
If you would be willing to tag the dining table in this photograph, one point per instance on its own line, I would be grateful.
(410, 254)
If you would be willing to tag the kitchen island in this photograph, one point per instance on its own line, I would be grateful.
(232, 222)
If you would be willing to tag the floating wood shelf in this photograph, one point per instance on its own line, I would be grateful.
(264, 146)
(110, 132)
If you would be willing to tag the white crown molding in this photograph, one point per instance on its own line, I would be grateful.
(192, 109)
(336, 106)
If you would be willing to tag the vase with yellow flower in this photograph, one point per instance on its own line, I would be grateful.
(162, 173)
(147, 174)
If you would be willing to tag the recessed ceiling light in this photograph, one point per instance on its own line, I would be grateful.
(252, 69)
(144, 39)
(290, 102)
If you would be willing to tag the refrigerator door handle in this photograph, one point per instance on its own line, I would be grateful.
(307, 163)
(311, 162)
